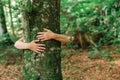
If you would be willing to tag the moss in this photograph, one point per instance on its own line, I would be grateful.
(39, 67)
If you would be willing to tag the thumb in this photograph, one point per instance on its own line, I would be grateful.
(35, 41)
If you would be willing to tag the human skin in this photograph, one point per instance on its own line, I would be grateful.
(48, 35)
(33, 45)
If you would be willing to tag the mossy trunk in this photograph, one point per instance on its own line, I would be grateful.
(37, 15)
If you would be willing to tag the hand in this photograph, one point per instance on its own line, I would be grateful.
(35, 47)
(45, 35)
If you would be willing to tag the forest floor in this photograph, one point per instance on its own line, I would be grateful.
(75, 66)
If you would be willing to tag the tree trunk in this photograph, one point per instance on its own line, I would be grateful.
(4, 33)
(11, 21)
(37, 15)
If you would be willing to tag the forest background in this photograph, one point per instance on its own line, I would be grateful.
(99, 19)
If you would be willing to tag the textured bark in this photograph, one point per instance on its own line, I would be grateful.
(40, 14)
(4, 34)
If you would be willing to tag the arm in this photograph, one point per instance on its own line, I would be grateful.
(48, 34)
(19, 44)
(33, 46)
(61, 38)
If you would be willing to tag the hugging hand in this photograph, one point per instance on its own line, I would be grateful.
(36, 47)
(45, 35)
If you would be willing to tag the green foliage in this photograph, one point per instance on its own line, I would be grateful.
(106, 54)
(94, 16)
(96, 54)
(3, 58)
(116, 51)
(93, 54)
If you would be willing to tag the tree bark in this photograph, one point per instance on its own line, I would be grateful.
(11, 20)
(37, 15)
(4, 33)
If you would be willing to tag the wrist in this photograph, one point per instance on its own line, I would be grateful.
(54, 35)
(28, 46)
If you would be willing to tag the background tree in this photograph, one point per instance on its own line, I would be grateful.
(11, 18)
(5, 38)
(37, 15)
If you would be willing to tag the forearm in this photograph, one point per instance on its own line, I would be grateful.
(21, 45)
(61, 38)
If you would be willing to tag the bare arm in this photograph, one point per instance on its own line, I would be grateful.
(33, 46)
(61, 38)
(19, 44)
(48, 34)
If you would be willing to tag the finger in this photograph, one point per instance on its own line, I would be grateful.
(41, 45)
(33, 41)
(39, 50)
(40, 33)
(43, 48)
(36, 41)
(43, 39)
(39, 36)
